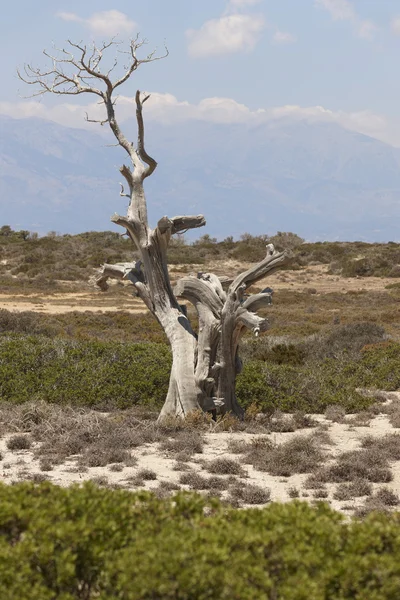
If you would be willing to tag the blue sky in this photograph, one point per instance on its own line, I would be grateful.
(334, 60)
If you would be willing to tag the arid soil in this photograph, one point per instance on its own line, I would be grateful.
(313, 279)
(158, 466)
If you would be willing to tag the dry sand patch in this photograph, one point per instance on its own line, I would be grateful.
(165, 468)
(315, 278)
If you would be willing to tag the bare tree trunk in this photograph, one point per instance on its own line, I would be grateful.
(204, 367)
(230, 363)
(223, 317)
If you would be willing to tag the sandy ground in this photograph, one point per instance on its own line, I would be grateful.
(20, 465)
(312, 278)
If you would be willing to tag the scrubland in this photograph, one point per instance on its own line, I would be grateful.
(80, 391)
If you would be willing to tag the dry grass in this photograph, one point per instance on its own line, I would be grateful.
(168, 486)
(320, 493)
(219, 483)
(147, 475)
(19, 442)
(180, 466)
(45, 465)
(38, 477)
(194, 480)
(185, 443)
(387, 497)
(388, 445)
(250, 494)
(301, 454)
(116, 468)
(97, 456)
(285, 423)
(393, 412)
(303, 421)
(100, 480)
(355, 489)
(361, 419)
(394, 418)
(225, 466)
(97, 439)
(237, 446)
(281, 423)
(382, 501)
(227, 422)
(335, 413)
(369, 464)
(197, 482)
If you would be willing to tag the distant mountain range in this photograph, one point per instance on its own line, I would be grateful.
(316, 179)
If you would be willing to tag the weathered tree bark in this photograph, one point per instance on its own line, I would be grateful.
(204, 365)
(223, 317)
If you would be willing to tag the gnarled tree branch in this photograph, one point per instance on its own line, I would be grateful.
(180, 224)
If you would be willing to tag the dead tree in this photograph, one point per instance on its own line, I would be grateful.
(204, 365)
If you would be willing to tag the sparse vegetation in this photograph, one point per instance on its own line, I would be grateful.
(225, 466)
(370, 463)
(25, 252)
(301, 454)
(194, 480)
(250, 494)
(354, 489)
(293, 492)
(19, 442)
(147, 475)
(186, 442)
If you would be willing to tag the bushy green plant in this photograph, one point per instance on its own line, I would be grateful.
(309, 388)
(93, 543)
(380, 366)
(83, 373)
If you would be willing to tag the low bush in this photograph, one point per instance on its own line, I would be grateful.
(89, 542)
(118, 375)
(369, 464)
(250, 494)
(19, 442)
(325, 379)
(225, 466)
(103, 374)
(301, 454)
(310, 388)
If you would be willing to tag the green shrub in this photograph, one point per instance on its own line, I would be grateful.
(83, 373)
(322, 371)
(310, 388)
(380, 366)
(94, 543)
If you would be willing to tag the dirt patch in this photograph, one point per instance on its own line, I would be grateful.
(311, 280)
(156, 459)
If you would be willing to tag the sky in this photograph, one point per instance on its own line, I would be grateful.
(229, 60)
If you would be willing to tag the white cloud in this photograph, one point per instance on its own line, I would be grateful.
(395, 24)
(243, 3)
(283, 37)
(340, 10)
(166, 108)
(228, 34)
(105, 23)
(367, 30)
(66, 16)
(343, 10)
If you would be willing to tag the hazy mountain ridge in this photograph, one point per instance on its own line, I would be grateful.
(318, 180)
